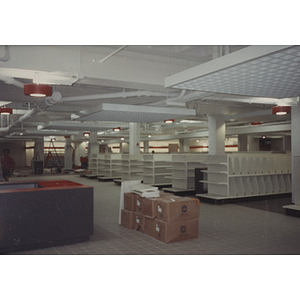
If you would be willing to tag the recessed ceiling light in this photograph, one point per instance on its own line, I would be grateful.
(37, 90)
(281, 110)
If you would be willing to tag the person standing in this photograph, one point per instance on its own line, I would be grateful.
(8, 165)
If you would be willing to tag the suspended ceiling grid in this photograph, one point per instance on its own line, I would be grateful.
(274, 74)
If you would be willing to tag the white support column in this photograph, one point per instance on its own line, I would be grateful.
(295, 154)
(216, 131)
(39, 149)
(68, 163)
(184, 145)
(253, 144)
(93, 145)
(146, 146)
(134, 138)
(243, 142)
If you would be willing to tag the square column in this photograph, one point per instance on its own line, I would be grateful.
(216, 132)
(184, 145)
(295, 155)
(68, 153)
(134, 138)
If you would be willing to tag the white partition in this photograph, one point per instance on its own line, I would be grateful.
(248, 174)
(157, 168)
(183, 169)
(131, 166)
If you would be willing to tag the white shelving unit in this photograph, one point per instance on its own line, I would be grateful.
(246, 175)
(157, 169)
(93, 164)
(183, 170)
(131, 166)
(112, 165)
(101, 164)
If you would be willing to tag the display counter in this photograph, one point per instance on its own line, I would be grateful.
(44, 213)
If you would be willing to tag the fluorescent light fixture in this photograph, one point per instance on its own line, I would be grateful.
(169, 121)
(190, 121)
(149, 136)
(260, 71)
(117, 129)
(131, 113)
(122, 139)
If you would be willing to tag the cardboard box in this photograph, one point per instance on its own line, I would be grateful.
(127, 218)
(149, 226)
(138, 221)
(130, 201)
(176, 231)
(170, 208)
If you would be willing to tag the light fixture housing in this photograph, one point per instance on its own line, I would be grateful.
(281, 110)
(37, 90)
(6, 110)
(169, 121)
(117, 129)
(86, 134)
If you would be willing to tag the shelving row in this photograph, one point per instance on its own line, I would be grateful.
(131, 166)
(246, 175)
(157, 168)
(183, 169)
(112, 165)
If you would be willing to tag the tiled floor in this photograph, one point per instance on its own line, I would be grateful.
(259, 228)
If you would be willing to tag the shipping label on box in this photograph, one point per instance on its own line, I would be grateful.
(130, 201)
(127, 218)
(138, 221)
(174, 208)
(138, 200)
(176, 231)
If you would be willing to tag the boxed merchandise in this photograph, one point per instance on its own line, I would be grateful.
(130, 201)
(147, 206)
(138, 221)
(127, 218)
(175, 231)
(138, 205)
(149, 226)
(171, 208)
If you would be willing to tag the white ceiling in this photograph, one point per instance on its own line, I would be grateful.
(135, 75)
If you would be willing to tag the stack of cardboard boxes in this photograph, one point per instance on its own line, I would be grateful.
(168, 218)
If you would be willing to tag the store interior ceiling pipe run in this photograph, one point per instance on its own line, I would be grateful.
(89, 76)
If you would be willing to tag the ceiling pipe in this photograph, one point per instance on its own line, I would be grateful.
(122, 94)
(48, 102)
(10, 80)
